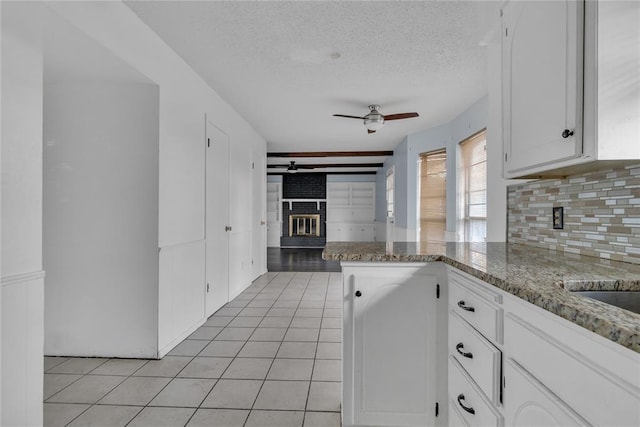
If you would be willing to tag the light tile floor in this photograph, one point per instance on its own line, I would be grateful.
(270, 357)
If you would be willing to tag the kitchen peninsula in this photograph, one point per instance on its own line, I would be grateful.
(504, 337)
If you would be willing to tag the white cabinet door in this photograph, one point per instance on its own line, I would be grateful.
(528, 403)
(394, 349)
(542, 65)
(274, 214)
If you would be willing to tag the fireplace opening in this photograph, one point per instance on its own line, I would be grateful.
(302, 225)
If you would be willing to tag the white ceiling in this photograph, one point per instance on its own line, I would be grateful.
(287, 66)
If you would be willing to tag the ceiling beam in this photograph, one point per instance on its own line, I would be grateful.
(333, 154)
(326, 173)
(329, 165)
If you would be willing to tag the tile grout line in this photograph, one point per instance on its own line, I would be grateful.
(234, 358)
(274, 357)
(269, 291)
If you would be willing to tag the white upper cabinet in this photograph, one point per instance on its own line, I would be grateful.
(542, 77)
(570, 91)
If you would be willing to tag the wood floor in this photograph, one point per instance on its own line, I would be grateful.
(299, 259)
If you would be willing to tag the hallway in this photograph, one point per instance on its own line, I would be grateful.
(299, 259)
(270, 357)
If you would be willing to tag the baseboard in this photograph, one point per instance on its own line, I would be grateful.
(177, 340)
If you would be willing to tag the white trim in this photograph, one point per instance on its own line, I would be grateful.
(16, 279)
(317, 202)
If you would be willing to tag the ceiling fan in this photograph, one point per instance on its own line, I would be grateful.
(292, 167)
(374, 120)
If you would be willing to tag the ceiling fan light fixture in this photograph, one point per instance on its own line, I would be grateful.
(374, 120)
(374, 123)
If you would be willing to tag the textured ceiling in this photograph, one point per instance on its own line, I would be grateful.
(286, 67)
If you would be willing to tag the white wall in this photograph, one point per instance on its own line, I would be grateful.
(184, 100)
(1, 137)
(100, 241)
(21, 285)
(496, 185)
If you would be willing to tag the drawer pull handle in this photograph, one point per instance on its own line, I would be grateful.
(459, 348)
(464, 307)
(469, 409)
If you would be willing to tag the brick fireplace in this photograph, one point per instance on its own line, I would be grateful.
(304, 224)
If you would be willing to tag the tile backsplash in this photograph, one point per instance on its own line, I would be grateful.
(601, 214)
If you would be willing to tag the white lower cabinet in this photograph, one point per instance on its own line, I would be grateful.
(350, 232)
(530, 403)
(392, 318)
(475, 357)
(482, 356)
(468, 401)
(556, 367)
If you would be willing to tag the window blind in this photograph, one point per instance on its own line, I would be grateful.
(433, 177)
(473, 188)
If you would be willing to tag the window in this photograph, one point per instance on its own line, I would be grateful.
(433, 200)
(473, 188)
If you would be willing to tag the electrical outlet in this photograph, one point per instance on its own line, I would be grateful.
(558, 218)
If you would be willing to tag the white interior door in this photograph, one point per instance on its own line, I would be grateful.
(390, 184)
(217, 219)
(274, 214)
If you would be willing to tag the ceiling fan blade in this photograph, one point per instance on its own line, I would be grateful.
(400, 116)
(348, 117)
(371, 131)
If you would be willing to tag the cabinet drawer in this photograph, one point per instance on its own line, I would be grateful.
(479, 357)
(481, 313)
(468, 400)
(487, 291)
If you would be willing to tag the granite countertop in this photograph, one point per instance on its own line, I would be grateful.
(539, 276)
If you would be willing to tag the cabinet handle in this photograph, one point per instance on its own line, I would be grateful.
(464, 307)
(567, 133)
(358, 293)
(459, 348)
(469, 409)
